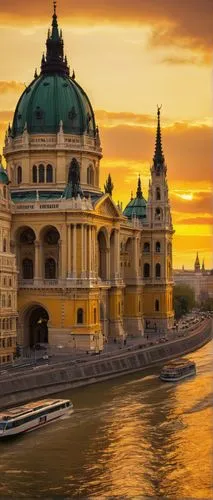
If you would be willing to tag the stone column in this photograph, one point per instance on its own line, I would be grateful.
(117, 253)
(135, 254)
(107, 264)
(85, 249)
(89, 251)
(74, 243)
(36, 269)
(69, 263)
(82, 251)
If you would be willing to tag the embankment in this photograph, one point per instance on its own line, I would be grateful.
(52, 379)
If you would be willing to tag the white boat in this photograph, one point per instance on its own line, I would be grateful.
(31, 416)
(178, 369)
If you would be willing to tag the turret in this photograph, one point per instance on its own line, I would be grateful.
(197, 264)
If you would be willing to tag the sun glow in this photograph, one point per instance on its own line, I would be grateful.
(186, 196)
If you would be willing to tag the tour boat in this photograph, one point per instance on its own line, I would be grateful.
(177, 370)
(31, 416)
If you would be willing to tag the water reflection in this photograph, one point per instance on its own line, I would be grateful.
(131, 437)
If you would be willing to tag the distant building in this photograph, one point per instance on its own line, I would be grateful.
(199, 279)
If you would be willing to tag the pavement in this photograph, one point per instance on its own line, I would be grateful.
(34, 359)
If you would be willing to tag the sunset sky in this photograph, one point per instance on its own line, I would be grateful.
(129, 57)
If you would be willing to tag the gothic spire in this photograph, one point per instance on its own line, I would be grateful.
(158, 155)
(55, 62)
(139, 190)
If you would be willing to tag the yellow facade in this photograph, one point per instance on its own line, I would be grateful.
(84, 272)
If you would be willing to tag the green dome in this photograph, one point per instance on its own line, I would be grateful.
(137, 206)
(54, 96)
(50, 99)
(3, 175)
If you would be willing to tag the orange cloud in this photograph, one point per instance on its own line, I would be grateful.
(184, 24)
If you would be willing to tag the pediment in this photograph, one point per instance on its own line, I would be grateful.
(107, 207)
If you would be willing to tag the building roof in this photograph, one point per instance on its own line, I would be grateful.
(137, 206)
(54, 100)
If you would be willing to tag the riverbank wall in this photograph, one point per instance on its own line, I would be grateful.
(53, 379)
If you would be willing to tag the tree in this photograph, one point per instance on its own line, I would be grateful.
(184, 300)
(108, 186)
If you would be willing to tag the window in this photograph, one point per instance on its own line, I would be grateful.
(158, 270)
(3, 301)
(139, 306)
(19, 175)
(158, 194)
(80, 316)
(90, 175)
(50, 269)
(158, 213)
(9, 301)
(157, 246)
(35, 174)
(4, 245)
(157, 306)
(5, 192)
(95, 316)
(49, 173)
(41, 173)
(27, 269)
(146, 247)
(146, 270)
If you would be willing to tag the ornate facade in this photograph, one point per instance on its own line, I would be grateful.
(86, 271)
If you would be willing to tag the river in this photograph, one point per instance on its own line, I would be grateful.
(131, 437)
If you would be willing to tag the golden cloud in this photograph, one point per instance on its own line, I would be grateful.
(171, 23)
(11, 86)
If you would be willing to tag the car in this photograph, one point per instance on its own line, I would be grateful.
(45, 356)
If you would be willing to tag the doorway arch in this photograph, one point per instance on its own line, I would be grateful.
(35, 325)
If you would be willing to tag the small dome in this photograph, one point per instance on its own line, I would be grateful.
(3, 174)
(137, 206)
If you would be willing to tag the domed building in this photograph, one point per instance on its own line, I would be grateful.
(84, 272)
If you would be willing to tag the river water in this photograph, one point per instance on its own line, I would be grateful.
(133, 437)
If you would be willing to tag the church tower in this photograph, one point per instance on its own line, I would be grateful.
(197, 264)
(8, 276)
(157, 245)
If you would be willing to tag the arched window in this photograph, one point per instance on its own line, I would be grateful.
(50, 269)
(35, 174)
(41, 173)
(5, 192)
(19, 175)
(90, 175)
(4, 245)
(157, 270)
(146, 270)
(80, 316)
(49, 173)
(157, 246)
(157, 306)
(158, 194)
(9, 301)
(95, 315)
(146, 247)
(158, 213)
(27, 269)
